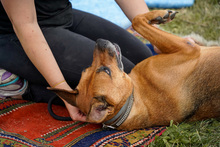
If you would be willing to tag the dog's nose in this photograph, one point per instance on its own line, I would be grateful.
(102, 43)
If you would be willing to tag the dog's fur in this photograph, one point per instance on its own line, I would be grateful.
(180, 84)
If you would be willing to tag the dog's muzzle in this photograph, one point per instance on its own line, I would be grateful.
(113, 50)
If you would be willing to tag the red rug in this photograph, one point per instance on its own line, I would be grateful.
(24, 123)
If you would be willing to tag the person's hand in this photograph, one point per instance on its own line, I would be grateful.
(74, 112)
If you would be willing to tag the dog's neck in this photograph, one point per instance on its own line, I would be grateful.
(122, 115)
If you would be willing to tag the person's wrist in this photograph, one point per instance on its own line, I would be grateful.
(58, 83)
(62, 85)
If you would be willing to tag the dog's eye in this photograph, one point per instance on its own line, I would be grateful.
(105, 69)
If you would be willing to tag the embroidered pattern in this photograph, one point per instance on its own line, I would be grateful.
(40, 129)
(59, 133)
(8, 105)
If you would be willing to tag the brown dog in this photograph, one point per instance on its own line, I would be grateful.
(181, 84)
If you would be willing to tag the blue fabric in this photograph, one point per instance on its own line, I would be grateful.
(169, 3)
(109, 10)
(151, 47)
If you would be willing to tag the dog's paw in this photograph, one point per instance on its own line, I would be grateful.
(160, 16)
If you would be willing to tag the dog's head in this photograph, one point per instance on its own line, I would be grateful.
(103, 87)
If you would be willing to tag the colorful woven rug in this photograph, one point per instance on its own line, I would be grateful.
(24, 123)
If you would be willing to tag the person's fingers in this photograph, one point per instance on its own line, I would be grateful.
(75, 113)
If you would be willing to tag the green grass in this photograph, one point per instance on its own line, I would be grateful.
(197, 134)
(202, 18)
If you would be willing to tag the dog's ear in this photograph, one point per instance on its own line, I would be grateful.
(99, 111)
(69, 96)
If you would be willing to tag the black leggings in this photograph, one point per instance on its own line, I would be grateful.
(73, 49)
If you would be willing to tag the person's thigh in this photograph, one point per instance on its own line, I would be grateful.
(95, 27)
(14, 59)
(73, 53)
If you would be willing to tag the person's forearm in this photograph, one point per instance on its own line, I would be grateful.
(132, 8)
(38, 51)
(23, 17)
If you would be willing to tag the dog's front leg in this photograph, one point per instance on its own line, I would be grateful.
(165, 42)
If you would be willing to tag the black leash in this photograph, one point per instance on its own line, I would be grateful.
(49, 107)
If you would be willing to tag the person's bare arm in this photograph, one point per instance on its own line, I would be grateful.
(22, 15)
(131, 8)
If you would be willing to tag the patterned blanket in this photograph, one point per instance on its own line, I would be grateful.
(24, 123)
